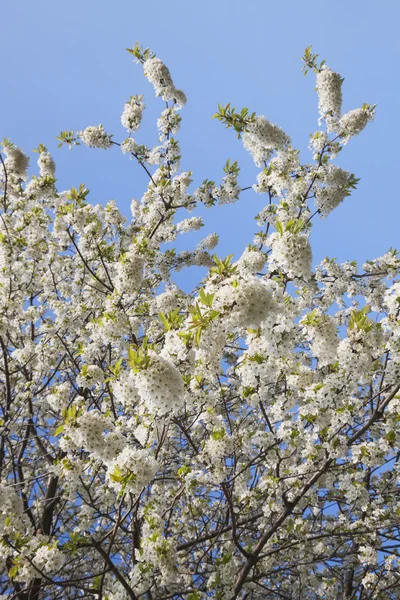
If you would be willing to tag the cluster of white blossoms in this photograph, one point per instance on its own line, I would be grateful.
(329, 89)
(16, 162)
(261, 138)
(209, 242)
(168, 122)
(160, 77)
(130, 271)
(89, 433)
(160, 385)
(167, 153)
(47, 166)
(291, 253)
(132, 114)
(324, 336)
(246, 302)
(95, 136)
(392, 300)
(132, 470)
(60, 395)
(354, 121)
(129, 146)
(334, 189)
(36, 557)
(169, 300)
(252, 261)
(233, 436)
(90, 375)
(12, 517)
(229, 190)
(191, 224)
(125, 391)
(320, 143)
(48, 559)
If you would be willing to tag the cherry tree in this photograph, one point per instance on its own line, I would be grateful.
(238, 441)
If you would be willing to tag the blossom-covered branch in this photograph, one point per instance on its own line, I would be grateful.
(237, 441)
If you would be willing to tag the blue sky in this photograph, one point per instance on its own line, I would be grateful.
(65, 66)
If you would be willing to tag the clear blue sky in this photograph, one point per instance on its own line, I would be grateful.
(64, 65)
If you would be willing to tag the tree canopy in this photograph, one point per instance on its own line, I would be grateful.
(240, 441)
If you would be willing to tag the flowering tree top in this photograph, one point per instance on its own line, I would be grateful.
(238, 441)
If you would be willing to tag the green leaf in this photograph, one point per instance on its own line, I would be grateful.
(218, 434)
(13, 572)
(59, 430)
(390, 437)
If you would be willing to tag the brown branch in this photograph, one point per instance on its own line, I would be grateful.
(290, 505)
(115, 570)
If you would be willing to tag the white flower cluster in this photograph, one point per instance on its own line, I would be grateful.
(46, 164)
(206, 193)
(389, 262)
(292, 254)
(125, 390)
(200, 258)
(132, 470)
(132, 114)
(324, 337)
(262, 138)
(60, 396)
(41, 188)
(130, 271)
(16, 162)
(168, 122)
(354, 121)
(320, 142)
(129, 146)
(169, 300)
(333, 190)
(367, 555)
(329, 89)
(160, 77)
(246, 302)
(38, 556)
(90, 375)
(48, 559)
(160, 385)
(156, 552)
(252, 261)
(392, 300)
(229, 190)
(95, 137)
(356, 350)
(89, 432)
(209, 242)
(12, 516)
(192, 224)
(167, 153)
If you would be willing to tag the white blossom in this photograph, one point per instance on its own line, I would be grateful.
(262, 137)
(160, 77)
(160, 385)
(46, 164)
(354, 121)
(132, 114)
(292, 253)
(95, 137)
(192, 224)
(334, 189)
(16, 161)
(329, 89)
